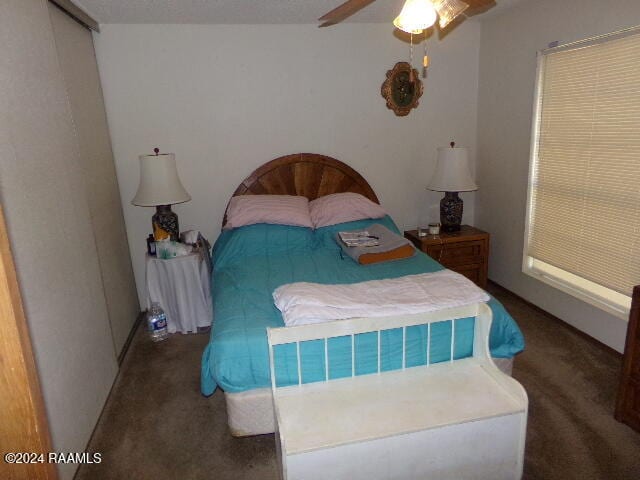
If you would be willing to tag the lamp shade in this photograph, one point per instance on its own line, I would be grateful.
(159, 182)
(448, 10)
(452, 171)
(415, 16)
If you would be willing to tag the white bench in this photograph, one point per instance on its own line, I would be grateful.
(462, 419)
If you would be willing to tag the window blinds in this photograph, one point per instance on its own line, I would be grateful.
(584, 212)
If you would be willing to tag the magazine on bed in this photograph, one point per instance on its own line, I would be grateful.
(359, 239)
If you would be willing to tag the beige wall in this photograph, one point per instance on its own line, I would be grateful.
(226, 99)
(44, 193)
(509, 43)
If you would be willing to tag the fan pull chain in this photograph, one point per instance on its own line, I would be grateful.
(425, 59)
(411, 76)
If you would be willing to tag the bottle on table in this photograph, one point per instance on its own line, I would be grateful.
(157, 322)
(151, 245)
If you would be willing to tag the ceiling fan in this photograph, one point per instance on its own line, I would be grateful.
(416, 15)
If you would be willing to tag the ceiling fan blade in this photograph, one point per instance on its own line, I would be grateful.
(343, 11)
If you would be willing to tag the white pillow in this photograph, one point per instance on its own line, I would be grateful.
(343, 207)
(274, 209)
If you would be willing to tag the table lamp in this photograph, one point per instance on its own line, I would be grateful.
(451, 176)
(160, 187)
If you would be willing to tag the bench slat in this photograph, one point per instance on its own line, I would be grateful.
(355, 326)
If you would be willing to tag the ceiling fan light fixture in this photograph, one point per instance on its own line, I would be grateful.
(448, 10)
(416, 16)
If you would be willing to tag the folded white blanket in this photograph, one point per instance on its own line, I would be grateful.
(305, 303)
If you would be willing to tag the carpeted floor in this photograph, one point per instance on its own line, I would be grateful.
(157, 425)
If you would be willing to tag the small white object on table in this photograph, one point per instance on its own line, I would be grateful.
(181, 286)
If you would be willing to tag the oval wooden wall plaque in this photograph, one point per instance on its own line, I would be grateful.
(402, 89)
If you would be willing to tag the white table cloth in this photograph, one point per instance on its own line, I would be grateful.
(181, 286)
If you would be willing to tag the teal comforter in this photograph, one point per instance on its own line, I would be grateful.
(250, 262)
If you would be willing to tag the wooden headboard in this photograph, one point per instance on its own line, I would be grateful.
(307, 174)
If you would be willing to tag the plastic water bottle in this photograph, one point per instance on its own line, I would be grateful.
(157, 323)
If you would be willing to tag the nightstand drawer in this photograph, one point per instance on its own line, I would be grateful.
(465, 251)
(459, 253)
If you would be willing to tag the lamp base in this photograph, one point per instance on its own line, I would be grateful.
(451, 212)
(165, 219)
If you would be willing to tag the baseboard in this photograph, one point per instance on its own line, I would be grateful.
(127, 343)
(579, 332)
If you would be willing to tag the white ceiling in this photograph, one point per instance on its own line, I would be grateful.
(240, 11)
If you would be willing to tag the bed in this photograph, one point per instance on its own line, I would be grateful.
(251, 261)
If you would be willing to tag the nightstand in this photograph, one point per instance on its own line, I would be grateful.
(181, 286)
(465, 252)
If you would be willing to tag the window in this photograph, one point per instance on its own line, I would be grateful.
(583, 210)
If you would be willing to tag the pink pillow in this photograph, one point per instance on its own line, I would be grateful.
(275, 209)
(343, 207)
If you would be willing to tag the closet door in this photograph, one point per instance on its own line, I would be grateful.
(76, 56)
(44, 196)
